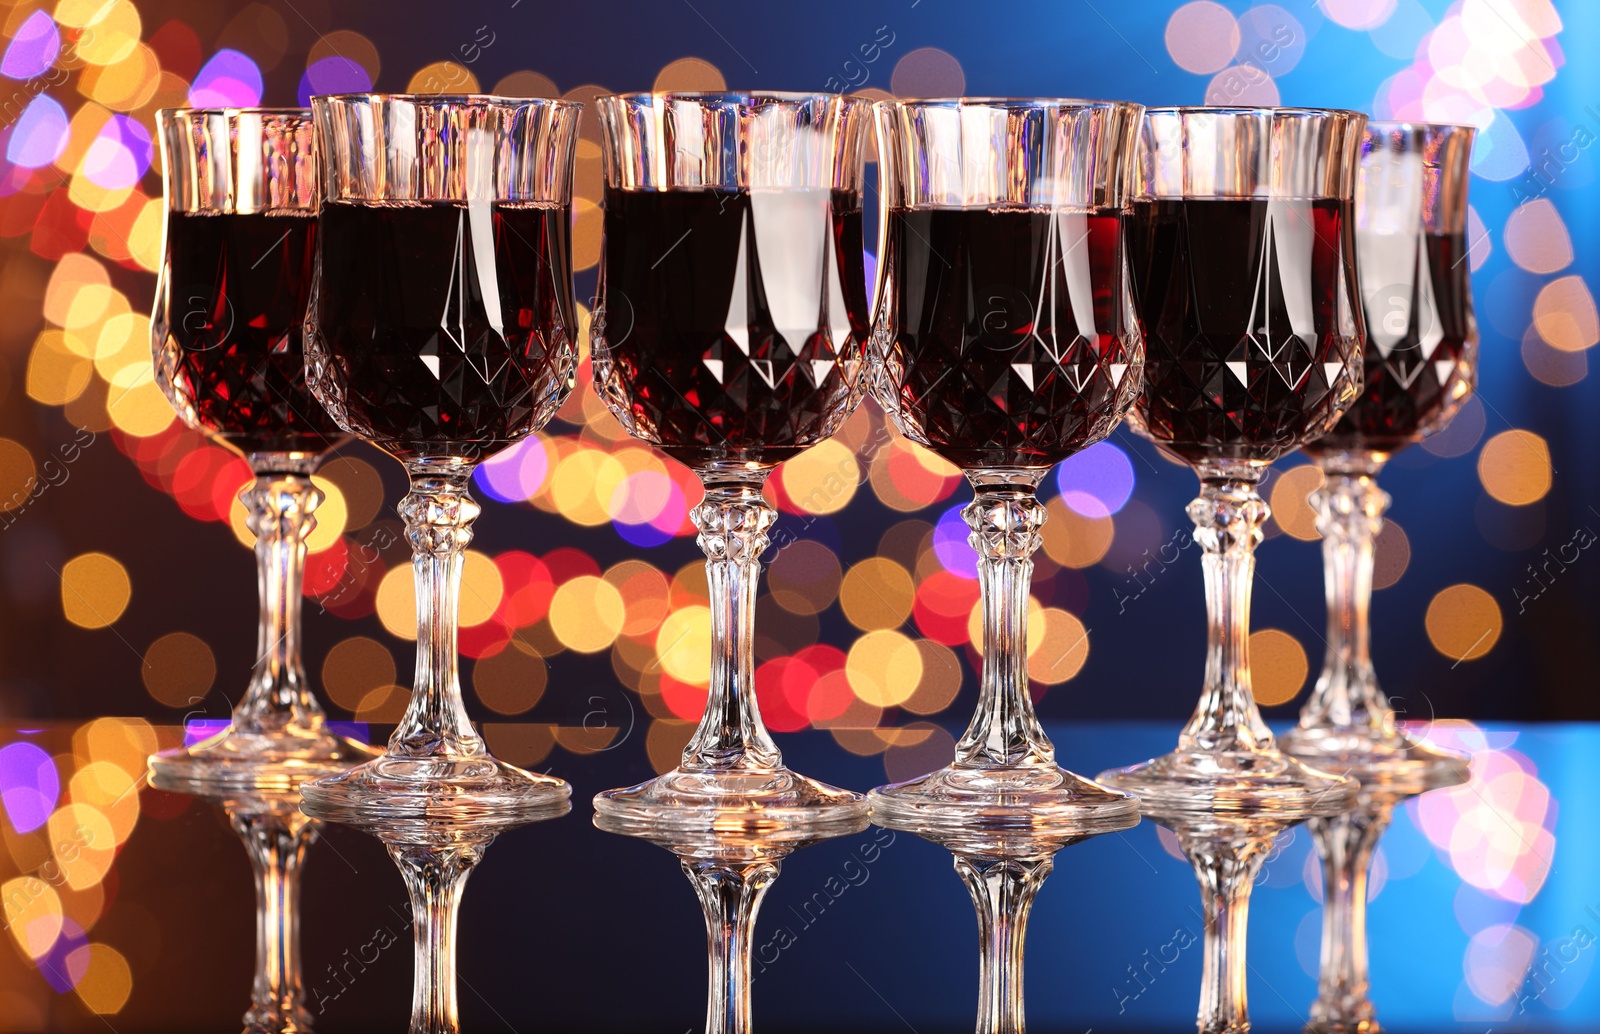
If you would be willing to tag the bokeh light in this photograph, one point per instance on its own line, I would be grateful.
(1463, 622)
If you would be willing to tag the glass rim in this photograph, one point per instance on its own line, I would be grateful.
(779, 96)
(1401, 123)
(1007, 102)
(1228, 109)
(182, 112)
(482, 100)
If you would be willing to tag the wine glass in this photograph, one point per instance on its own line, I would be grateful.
(241, 196)
(440, 329)
(1005, 342)
(1421, 365)
(1244, 266)
(729, 331)
(731, 866)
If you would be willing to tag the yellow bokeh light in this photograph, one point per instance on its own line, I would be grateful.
(823, 479)
(1463, 622)
(526, 84)
(1291, 501)
(587, 613)
(107, 979)
(71, 275)
(684, 645)
(114, 792)
(877, 594)
(690, 74)
(1278, 666)
(1072, 539)
(1391, 555)
(583, 485)
(1565, 315)
(884, 668)
(396, 602)
(481, 588)
(1537, 239)
(384, 705)
(354, 668)
(33, 914)
(1514, 467)
(124, 742)
(17, 474)
(940, 681)
(1062, 650)
(114, 31)
(95, 590)
(511, 681)
(136, 404)
(84, 842)
(144, 240)
(443, 77)
(126, 84)
(179, 669)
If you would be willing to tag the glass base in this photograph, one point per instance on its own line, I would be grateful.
(236, 764)
(1037, 800)
(1394, 763)
(1235, 782)
(477, 790)
(778, 802)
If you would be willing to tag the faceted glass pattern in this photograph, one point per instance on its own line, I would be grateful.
(732, 324)
(440, 328)
(1252, 336)
(1006, 338)
(227, 329)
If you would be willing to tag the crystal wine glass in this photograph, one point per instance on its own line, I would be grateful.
(1244, 265)
(731, 867)
(1421, 365)
(241, 197)
(440, 329)
(1005, 342)
(729, 331)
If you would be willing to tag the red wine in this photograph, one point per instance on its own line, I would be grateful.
(1421, 341)
(228, 326)
(731, 325)
(1252, 342)
(1010, 344)
(442, 329)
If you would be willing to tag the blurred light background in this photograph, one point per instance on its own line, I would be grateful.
(126, 587)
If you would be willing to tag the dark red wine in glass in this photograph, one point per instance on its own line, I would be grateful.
(1420, 361)
(1251, 342)
(715, 347)
(441, 328)
(232, 358)
(1012, 347)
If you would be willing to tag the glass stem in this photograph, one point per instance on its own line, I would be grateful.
(1346, 843)
(438, 512)
(435, 876)
(1227, 518)
(1002, 890)
(730, 895)
(1005, 517)
(1226, 870)
(1350, 508)
(733, 519)
(278, 505)
(277, 842)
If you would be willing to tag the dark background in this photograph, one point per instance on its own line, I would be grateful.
(565, 927)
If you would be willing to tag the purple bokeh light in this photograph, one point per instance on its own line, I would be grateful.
(29, 785)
